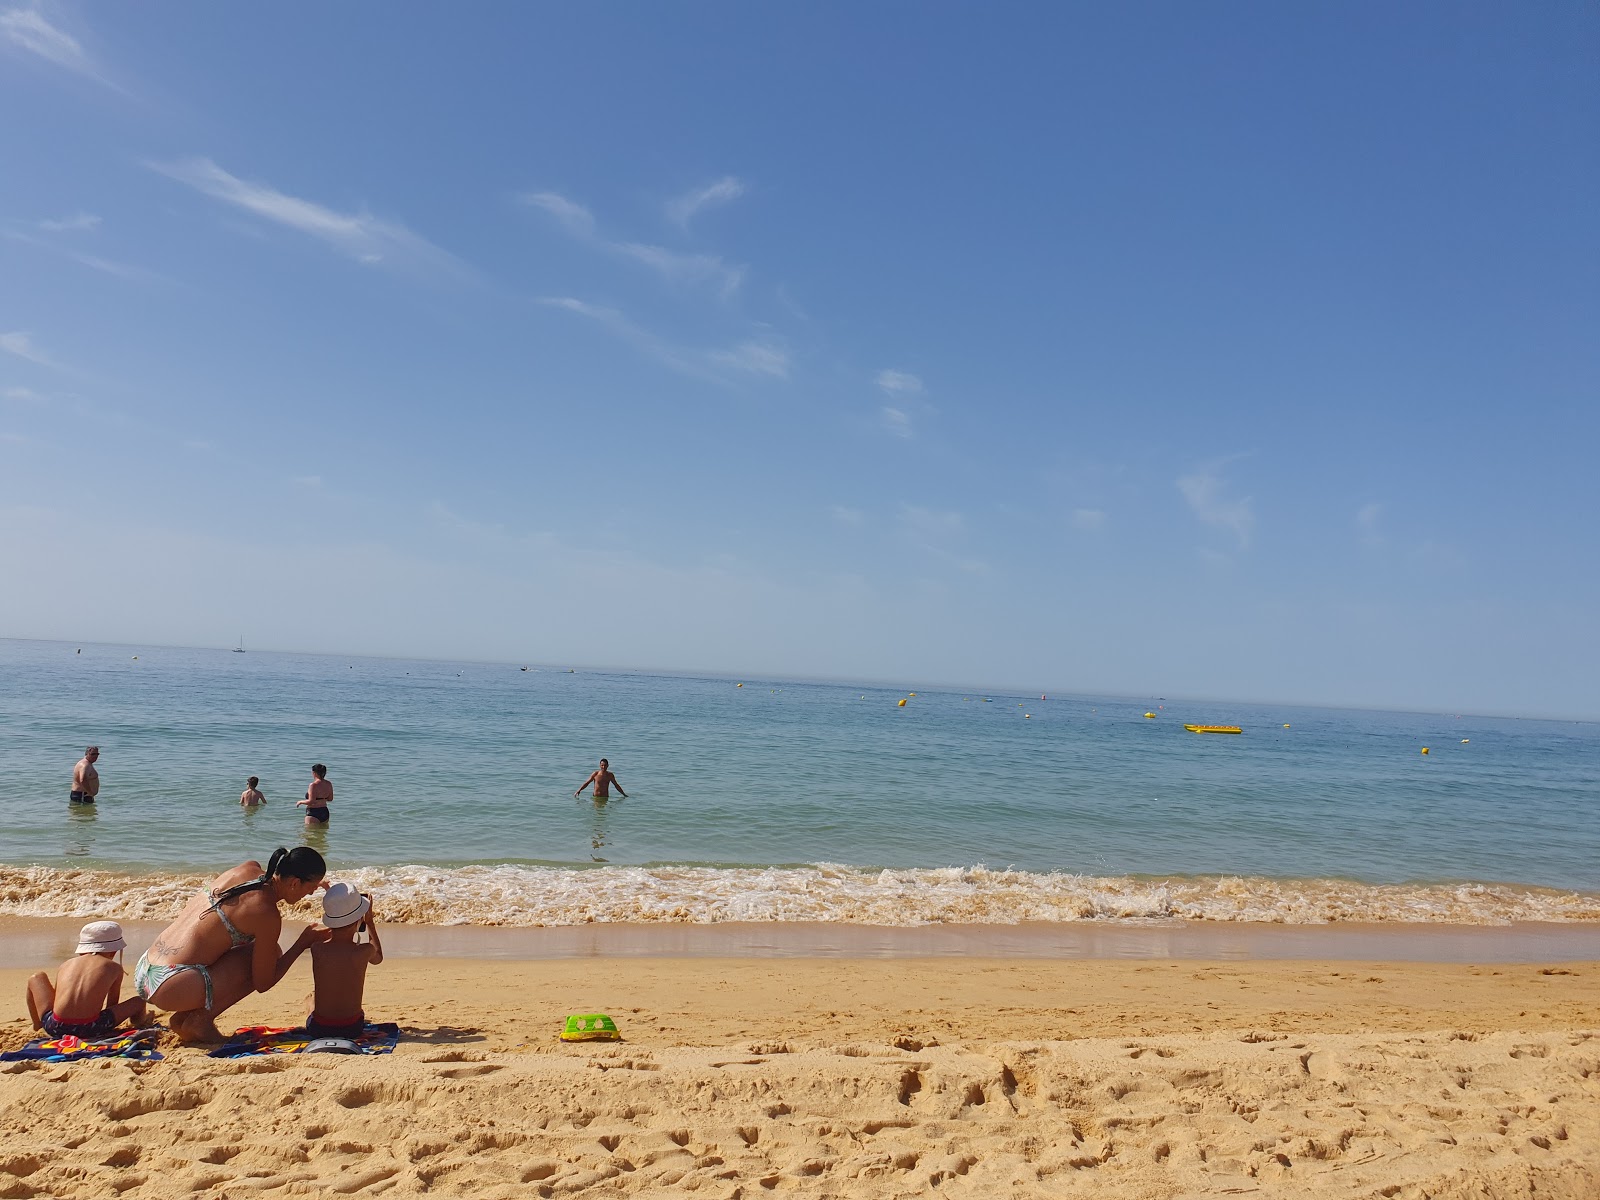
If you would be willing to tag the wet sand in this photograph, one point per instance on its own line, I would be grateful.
(44, 941)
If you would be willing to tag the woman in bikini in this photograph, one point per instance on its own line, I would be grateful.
(224, 944)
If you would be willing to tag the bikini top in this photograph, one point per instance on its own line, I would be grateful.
(235, 938)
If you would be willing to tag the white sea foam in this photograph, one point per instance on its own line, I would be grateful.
(547, 896)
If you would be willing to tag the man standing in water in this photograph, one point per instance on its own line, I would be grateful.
(603, 781)
(85, 779)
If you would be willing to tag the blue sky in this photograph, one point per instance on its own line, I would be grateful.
(1222, 350)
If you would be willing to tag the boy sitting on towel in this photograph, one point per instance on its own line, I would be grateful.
(83, 1002)
(339, 965)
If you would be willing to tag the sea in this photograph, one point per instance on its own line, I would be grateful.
(767, 800)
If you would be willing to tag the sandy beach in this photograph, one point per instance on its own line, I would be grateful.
(861, 1077)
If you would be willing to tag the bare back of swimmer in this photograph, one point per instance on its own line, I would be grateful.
(224, 944)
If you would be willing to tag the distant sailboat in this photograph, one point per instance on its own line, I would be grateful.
(239, 649)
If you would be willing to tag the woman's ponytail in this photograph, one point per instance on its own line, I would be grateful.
(278, 856)
(302, 863)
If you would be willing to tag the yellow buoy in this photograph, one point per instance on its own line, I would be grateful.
(1027, 716)
(738, 685)
(1152, 716)
(911, 693)
(1286, 727)
(1464, 741)
(902, 704)
(1424, 749)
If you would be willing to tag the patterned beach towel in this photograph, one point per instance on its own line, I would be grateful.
(376, 1038)
(130, 1043)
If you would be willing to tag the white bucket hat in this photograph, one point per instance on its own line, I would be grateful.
(342, 905)
(97, 937)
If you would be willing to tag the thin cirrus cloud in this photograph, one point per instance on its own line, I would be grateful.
(53, 246)
(683, 209)
(900, 383)
(1206, 493)
(902, 388)
(897, 421)
(363, 237)
(577, 219)
(675, 266)
(77, 223)
(1090, 520)
(21, 344)
(757, 356)
(26, 29)
(764, 356)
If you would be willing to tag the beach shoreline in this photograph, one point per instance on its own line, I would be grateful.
(44, 941)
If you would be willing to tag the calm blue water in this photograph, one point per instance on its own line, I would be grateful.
(452, 764)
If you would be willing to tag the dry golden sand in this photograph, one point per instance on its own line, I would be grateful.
(862, 1078)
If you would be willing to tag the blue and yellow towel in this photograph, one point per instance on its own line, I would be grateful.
(376, 1038)
(130, 1043)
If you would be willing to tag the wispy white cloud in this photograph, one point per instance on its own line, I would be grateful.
(766, 357)
(1205, 490)
(93, 261)
(578, 219)
(676, 267)
(904, 390)
(77, 223)
(28, 30)
(900, 383)
(682, 209)
(679, 268)
(847, 516)
(897, 421)
(23, 395)
(21, 344)
(367, 239)
(1090, 520)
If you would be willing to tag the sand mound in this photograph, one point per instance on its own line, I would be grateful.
(1222, 1113)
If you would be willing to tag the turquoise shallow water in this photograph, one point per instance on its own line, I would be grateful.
(452, 765)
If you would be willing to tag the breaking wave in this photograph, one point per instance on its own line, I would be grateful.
(553, 896)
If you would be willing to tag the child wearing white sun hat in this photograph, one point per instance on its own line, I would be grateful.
(339, 965)
(85, 1000)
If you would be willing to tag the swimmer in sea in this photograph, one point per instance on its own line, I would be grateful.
(85, 779)
(318, 796)
(603, 781)
(252, 795)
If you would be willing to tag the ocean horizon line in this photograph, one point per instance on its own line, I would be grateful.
(1009, 690)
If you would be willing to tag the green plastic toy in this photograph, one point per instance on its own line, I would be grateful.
(590, 1027)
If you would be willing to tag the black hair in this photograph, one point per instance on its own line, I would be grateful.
(302, 863)
(252, 781)
(320, 771)
(607, 761)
